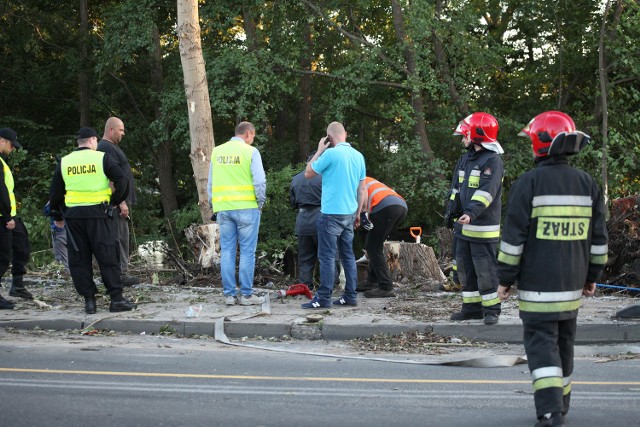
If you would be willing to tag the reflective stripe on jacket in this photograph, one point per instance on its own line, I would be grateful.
(232, 182)
(84, 179)
(376, 192)
(8, 181)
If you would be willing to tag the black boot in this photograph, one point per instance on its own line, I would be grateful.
(18, 289)
(5, 305)
(119, 303)
(90, 305)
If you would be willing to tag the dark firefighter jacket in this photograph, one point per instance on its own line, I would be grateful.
(554, 239)
(480, 194)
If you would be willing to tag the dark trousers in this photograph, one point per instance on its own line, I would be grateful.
(478, 273)
(384, 222)
(549, 348)
(89, 237)
(15, 248)
(122, 225)
(308, 258)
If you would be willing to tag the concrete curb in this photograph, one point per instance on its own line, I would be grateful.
(589, 333)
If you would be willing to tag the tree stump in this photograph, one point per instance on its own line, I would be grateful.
(205, 243)
(412, 261)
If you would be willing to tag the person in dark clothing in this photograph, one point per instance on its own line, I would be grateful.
(83, 202)
(478, 228)
(554, 246)
(386, 210)
(305, 195)
(14, 239)
(110, 144)
(58, 238)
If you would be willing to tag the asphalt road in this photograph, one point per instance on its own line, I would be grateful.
(72, 381)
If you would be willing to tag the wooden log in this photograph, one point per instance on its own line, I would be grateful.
(412, 261)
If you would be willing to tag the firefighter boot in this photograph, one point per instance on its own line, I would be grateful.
(550, 420)
(18, 289)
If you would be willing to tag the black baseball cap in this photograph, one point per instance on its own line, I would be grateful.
(86, 132)
(10, 135)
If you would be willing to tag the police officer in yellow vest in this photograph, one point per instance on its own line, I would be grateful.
(237, 189)
(14, 240)
(80, 191)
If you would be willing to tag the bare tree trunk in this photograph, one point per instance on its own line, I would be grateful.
(164, 157)
(603, 66)
(83, 78)
(198, 104)
(304, 106)
(417, 99)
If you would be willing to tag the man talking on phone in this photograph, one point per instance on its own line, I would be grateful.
(343, 173)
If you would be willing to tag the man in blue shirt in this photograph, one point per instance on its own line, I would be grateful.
(343, 189)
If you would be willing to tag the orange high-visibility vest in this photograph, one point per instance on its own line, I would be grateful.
(376, 192)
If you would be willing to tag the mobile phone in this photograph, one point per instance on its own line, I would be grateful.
(327, 141)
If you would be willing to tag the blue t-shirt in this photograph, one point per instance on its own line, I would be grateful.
(342, 168)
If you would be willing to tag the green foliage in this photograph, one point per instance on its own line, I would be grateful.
(513, 59)
(278, 218)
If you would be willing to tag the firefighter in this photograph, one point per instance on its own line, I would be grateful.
(452, 212)
(80, 190)
(478, 228)
(14, 239)
(554, 246)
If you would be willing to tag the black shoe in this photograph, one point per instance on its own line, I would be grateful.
(5, 305)
(122, 305)
(129, 280)
(90, 305)
(468, 315)
(550, 420)
(20, 293)
(379, 293)
(491, 318)
(364, 286)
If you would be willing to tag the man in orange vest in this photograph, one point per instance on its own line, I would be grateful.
(386, 210)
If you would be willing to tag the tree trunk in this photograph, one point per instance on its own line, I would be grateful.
(443, 65)
(198, 104)
(164, 156)
(83, 78)
(304, 106)
(417, 99)
(413, 261)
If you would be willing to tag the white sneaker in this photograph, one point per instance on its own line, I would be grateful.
(230, 300)
(252, 300)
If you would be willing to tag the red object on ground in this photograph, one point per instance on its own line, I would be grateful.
(297, 289)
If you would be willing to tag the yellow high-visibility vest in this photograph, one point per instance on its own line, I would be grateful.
(8, 181)
(85, 181)
(232, 182)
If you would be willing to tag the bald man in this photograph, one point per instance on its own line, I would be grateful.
(343, 177)
(113, 133)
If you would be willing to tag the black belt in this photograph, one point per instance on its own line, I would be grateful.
(308, 208)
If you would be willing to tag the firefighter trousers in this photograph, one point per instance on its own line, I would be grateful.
(88, 237)
(478, 272)
(549, 348)
(15, 248)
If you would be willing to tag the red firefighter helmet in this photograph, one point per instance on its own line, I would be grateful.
(544, 127)
(478, 128)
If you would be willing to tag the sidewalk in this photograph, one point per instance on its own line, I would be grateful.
(164, 309)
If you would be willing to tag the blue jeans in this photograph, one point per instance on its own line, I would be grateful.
(336, 231)
(238, 227)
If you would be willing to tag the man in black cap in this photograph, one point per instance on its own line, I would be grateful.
(14, 240)
(80, 189)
